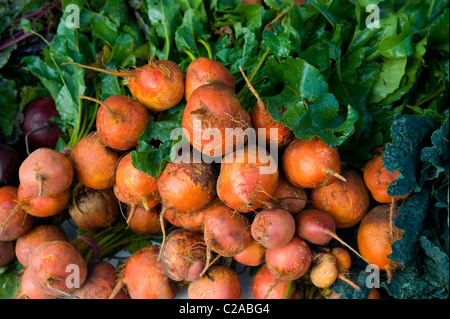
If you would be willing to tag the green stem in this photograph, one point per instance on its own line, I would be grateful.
(189, 53)
(252, 76)
(207, 47)
(373, 56)
(166, 31)
(288, 291)
(255, 71)
(432, 96)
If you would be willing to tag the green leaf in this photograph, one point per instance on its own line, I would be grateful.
(310, 109)
(388, 80)
(9, 120)
(164, 16)
(438, 33)
(192, 28)
(157, 142)
(398, 45)
(9, 279)
(277, 41)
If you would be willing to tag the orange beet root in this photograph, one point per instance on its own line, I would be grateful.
(347, 202)
(311, 164)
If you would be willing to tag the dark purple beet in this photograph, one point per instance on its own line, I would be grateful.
(10, 161)
(37, 115)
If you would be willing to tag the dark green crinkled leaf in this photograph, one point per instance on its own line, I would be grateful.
(409, 133)
(436, 157)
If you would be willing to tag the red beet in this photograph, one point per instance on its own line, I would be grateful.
(10, 161)
(37, 127)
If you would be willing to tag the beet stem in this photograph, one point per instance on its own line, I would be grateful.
(11, 215)
(130, 216)
(119, 285)
(344, 278)
(252, 89)
(115, 73)
(59, 292)
(46, 125)
(275, 282)
(161, 222)
(332, 234)
(337, 175)
(40, 179)
(112, 114)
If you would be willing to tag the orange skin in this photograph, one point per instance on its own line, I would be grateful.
(306, 163)
(347, 202)
(220, 282)
(55, 169)
(264, 280)
(289, 197)
(374, 294)
(378, 179)
(14, 221)
(172, 216)
(158, 85)
(273, 228)
(261, 119)
(144, 222)
(43, 206)
(241, 185)
(216, 106)
(135, 186)
(194, 221)
(203, 71)
(145, 277)
(226, 232)
(121, 129)
(99, 283)
(27, 290)
(291, 261)
(343, 259)
(94, 163)
(26, 244)
(253, 255)
(183, 256)
(187, 187)
(374, 237)
(48, 264)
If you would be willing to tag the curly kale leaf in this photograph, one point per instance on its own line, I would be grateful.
(408, 134)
